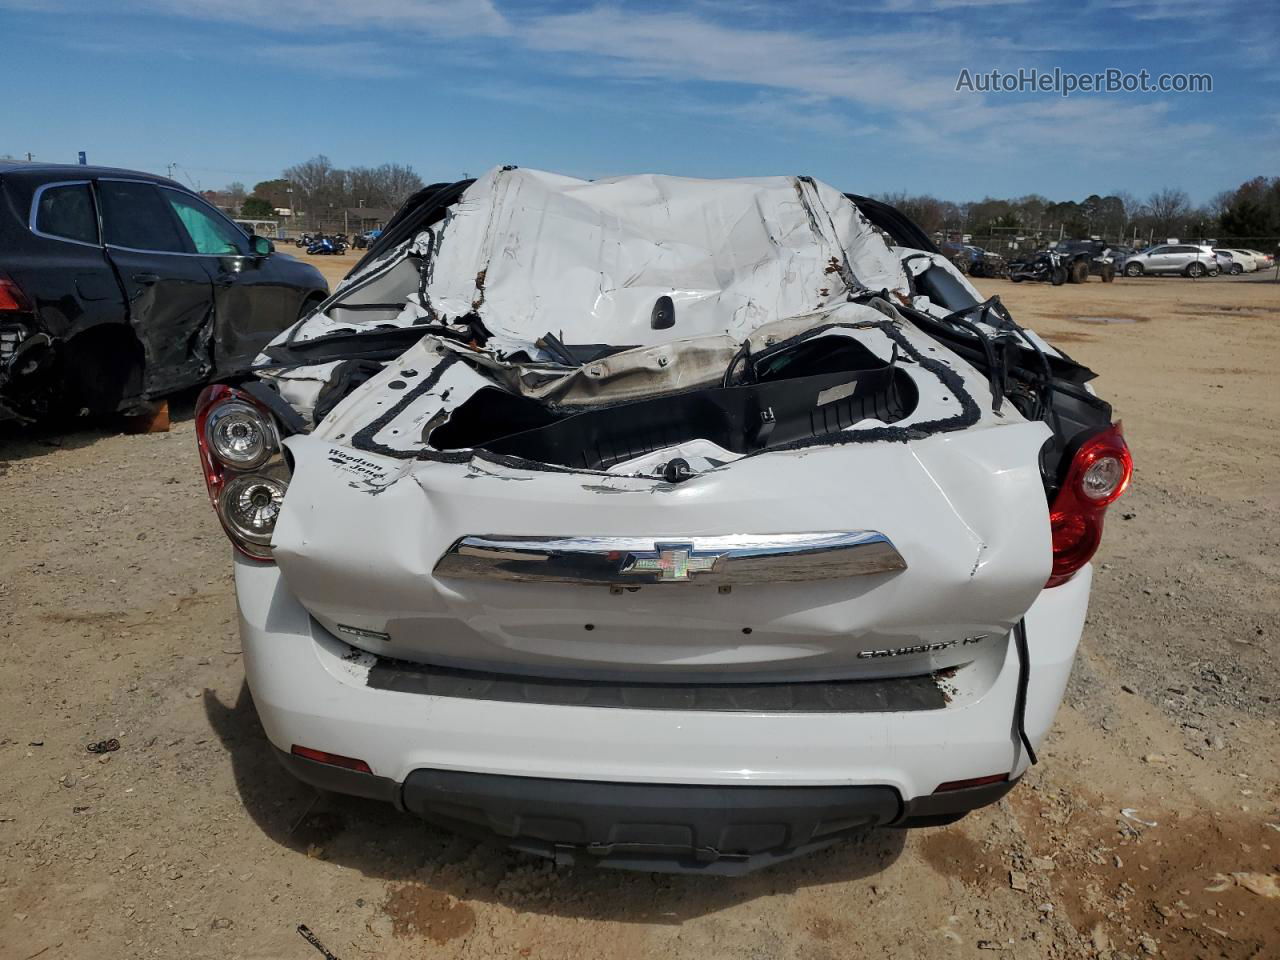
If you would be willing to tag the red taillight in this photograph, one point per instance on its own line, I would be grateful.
(332, 759)
(214, 472)
(12, 299)
(1100, 472)
(971, 782)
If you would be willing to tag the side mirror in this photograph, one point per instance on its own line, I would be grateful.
(261, 246)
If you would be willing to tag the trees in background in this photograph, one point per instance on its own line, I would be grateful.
(1032, 215)
(1249, 214)
(1167, 211)
(388, 185)
(256, 208)
(1253, 209)
(275, 192)
(318, 191)
(319, 186)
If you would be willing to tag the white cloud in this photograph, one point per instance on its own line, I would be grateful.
(866, 68)
(351, 59)
(933, 6)
(452, 17)
(1100, 130)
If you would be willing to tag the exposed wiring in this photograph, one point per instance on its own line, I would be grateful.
(424, 276)
(996, 373)
(1024, 680)
(743, 354)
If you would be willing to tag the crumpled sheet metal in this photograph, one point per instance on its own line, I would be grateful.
(532, 252)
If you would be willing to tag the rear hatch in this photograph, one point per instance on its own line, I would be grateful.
(361, 536)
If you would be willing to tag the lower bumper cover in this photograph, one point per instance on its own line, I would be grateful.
(645, 826)
(672, 828)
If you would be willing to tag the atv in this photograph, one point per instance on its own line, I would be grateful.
(1076, 259)
(1085, 257)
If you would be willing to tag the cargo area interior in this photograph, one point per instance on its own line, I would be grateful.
(813, 388)
(808, 387)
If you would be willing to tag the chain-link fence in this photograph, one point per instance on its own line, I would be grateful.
(334, 220)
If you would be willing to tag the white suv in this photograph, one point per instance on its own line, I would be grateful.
(660, 523)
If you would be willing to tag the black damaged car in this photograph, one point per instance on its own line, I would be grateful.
(118, 287)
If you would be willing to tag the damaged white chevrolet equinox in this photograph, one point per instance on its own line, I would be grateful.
(660, 523)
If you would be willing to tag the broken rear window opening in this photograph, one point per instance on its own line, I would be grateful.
(807, 391)
(627, 326)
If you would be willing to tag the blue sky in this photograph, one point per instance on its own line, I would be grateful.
(861, 95)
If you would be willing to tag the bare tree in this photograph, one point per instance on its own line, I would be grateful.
(1220, 203)
(1169, 208)
(928, 212)
(317, 185)
(400, 182)
(364, 186)
(321, 191)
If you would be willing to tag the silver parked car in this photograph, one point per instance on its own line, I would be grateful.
(1188, 259)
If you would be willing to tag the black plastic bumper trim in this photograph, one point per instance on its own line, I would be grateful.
(660, 827)
(322, 776)
(938, 808)
(862, 695)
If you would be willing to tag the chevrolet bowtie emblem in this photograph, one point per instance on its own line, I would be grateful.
(669, 562)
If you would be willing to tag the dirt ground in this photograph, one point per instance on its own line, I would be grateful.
(190, 842)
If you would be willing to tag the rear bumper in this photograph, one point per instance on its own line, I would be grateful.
(312, 690)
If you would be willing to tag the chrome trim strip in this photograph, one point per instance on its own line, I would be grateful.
(634, 561)
(176, 253)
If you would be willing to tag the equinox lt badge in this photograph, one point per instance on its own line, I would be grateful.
(920, 648)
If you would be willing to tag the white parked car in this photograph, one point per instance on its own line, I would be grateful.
(660, 523)
(1247, 261)
(1233, 262)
